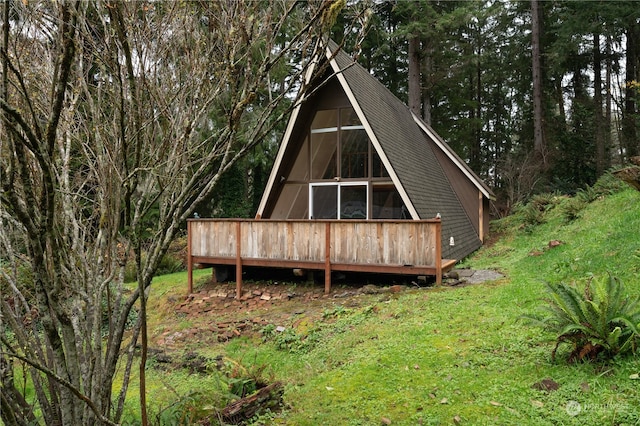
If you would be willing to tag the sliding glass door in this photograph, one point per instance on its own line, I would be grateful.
(338, 200)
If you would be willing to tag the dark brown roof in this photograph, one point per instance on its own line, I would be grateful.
(410, 152)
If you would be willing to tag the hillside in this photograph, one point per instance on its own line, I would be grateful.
(418, 356)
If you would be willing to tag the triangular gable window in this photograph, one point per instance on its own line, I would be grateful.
(337, 174)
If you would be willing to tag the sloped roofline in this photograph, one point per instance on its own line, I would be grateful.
(338, 72)
(285, 143)
(482, 187)
(372, 136)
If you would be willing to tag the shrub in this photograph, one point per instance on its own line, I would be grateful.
(193, 408)
(572, 209)
(609, 184)
(598, 319)
(544, 201)
(587, 195)
(533, 213)
(532, 217)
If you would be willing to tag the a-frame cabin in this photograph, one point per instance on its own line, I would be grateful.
(354, 151)
(359, 184)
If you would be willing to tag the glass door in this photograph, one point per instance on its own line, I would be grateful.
(323, 201)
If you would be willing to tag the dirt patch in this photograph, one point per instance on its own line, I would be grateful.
(216, 314)
(221, 316)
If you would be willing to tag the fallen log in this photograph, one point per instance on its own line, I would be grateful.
(630, 175)
(245, 408)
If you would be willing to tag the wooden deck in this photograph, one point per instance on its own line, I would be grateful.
(381, 246)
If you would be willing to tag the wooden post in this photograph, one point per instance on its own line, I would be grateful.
(438, 256)
(238, 260)
(327, 258)
(189, 259)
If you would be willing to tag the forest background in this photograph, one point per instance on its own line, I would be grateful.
(122, 119)
(536, 96)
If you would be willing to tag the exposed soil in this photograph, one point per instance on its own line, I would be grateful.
(262, 303)
(217, 315)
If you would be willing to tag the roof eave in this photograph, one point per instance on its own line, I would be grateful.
(284, 144)
(454, 158)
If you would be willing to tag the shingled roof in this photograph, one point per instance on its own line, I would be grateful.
(406, 144)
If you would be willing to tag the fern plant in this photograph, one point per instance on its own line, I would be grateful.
(598, 319)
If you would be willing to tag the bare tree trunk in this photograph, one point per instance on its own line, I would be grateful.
(104, 152)
(476, 150)
(415, 92)
(427, 85)
(630, 114)
(601, 161)
(608, 101)
(539, 144)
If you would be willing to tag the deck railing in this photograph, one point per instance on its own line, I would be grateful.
(405, 247)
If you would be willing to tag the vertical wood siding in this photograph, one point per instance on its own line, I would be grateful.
(351, 242)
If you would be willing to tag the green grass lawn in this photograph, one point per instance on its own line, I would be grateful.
(456, 355)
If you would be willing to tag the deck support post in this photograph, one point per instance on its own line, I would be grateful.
(238, 261)
(327, 258)
(438, 257)
(189, 259)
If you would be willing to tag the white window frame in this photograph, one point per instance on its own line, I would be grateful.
(339, 185)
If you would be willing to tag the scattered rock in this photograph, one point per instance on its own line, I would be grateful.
(397, 288)
(385, 421)
(195, 363)
(546, 385)
(370, 289)
(471, 276)
(465, 273)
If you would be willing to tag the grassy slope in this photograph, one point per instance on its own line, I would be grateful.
(427, 356)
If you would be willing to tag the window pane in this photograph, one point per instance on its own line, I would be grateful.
(348, 117)
(300, 169)
(324, 147)
(292, 203)
(379, 170)
(354, 155)
(353, 202)
(325, 201)
(325, 119)
(387, 204)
